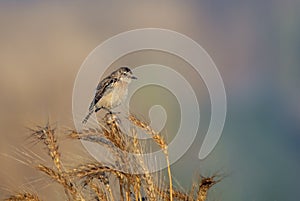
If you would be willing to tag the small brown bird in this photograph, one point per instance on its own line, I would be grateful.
(111, 91)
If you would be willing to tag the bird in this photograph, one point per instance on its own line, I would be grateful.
(111, 91)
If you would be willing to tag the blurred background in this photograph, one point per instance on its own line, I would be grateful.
(255, 44)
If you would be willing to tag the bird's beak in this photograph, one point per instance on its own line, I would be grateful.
(133, 77)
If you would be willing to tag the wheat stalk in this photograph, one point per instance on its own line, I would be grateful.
(94, 177)
(160, 141)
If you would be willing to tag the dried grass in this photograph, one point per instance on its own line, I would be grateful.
(97, 181)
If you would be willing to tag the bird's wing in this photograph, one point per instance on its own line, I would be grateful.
(101, 89)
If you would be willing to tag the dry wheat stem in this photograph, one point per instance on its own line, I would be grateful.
(96, 175)
(192, 192)
(160, 141)
(176, 194)
(110, 194)
(147, 178)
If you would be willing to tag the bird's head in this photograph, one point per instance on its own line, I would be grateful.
(123, 74)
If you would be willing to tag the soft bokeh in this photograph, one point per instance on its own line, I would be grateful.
(255, 45)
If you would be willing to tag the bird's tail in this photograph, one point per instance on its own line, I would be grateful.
(84, 121)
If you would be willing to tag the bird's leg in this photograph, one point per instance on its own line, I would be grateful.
(98, 108)
(108, 110)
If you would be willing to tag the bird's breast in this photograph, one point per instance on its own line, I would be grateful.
(115, 96)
